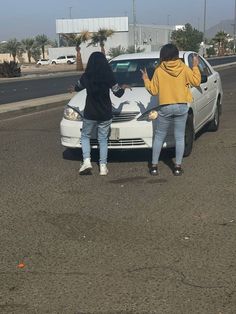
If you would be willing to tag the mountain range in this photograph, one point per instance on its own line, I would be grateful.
(227, 26)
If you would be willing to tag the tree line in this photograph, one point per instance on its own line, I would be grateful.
(34, 47)
(186, 38)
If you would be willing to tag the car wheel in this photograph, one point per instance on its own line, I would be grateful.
(68, 62)
(53, 62)
(189, 135)
(213, 125)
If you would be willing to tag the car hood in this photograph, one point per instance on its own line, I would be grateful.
(135, 100)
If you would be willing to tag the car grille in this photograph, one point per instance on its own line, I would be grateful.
(124, 116)
(121, 142)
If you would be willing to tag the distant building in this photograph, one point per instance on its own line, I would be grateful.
(149, 37)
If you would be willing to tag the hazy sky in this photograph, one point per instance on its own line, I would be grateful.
(27, 18)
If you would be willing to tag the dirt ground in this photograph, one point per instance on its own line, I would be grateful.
(51, 68)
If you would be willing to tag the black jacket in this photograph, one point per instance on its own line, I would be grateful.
(98, 102)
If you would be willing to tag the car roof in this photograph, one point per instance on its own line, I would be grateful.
(145, 55)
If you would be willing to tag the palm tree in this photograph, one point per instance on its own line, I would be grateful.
(36, 53)
(77, 40)
(28, 46)
(14, 47)
(100, 37)
(42, 41)
(221, 38)
(116, 51)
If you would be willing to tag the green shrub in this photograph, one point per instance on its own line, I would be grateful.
(10, 69)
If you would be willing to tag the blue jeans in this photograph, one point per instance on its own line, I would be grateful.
(103, 128)
(177, 114)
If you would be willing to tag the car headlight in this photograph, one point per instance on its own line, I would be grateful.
(71, 114)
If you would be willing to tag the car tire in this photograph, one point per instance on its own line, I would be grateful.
(53, 62)
(68, 62)
(189, 135)
(213, 125)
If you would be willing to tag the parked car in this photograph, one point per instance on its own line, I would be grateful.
(43, 61)
(131, 127)
(70, 59)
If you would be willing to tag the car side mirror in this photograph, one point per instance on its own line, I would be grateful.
(203, 78)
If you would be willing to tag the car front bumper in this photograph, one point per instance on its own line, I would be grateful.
(125, 135)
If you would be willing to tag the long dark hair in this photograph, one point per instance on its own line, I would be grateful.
(98, 71)
(169, 52)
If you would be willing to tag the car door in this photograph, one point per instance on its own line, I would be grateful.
(203, 96)
(211, 87)
(61, 59)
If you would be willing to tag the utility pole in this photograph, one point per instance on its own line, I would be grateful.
(70, 8)
(235, 27)
(168, 19)
(134, 23)
(204, 30)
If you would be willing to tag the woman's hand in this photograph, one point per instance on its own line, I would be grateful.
(71, 89)
(124, 86)
(144, 74)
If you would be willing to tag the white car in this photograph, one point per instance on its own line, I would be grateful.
(70, 59)
(43, 61)
(131, 127)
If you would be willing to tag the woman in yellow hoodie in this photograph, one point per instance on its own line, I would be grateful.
(171, 82)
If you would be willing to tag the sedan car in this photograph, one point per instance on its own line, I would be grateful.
(70, 59)
(43, 61)
(132, 127)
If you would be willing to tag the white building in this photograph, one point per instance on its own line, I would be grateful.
(150, 37)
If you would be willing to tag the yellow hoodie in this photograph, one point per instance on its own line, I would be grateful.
(172, 80)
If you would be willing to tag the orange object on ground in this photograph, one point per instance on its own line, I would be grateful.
(21, 265)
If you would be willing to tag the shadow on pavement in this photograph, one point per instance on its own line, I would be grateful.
(120, 156)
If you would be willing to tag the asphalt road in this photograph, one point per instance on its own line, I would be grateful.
(34, 88)
(19, 90)
(126, 243)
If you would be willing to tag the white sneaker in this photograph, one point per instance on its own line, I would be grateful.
(103, 170)
(86, 167)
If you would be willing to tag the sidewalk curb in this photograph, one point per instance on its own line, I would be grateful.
(39, 76)
(33, 105)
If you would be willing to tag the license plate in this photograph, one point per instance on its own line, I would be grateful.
(114, 134)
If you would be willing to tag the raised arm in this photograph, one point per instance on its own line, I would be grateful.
(194, 75)
(151, 85)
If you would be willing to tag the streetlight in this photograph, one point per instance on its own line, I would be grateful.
(204, 29)
(235, 27)
(134, 23)
(168, 19)
(70, 8)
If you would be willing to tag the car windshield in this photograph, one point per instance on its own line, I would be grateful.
(128, 71)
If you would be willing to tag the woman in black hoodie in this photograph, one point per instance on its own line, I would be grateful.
(98, 79)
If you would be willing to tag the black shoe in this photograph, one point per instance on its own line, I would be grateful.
(178, 171)
(154, 171)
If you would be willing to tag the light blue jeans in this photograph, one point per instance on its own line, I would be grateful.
(103, 128)
(176, 114)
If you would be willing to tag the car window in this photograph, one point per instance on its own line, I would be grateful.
(128, 71)
(71, 57)
(203, 67)
(62, 57)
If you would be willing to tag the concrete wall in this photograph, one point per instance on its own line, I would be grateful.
(23, 59)
(8, 57)
(154, 35)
